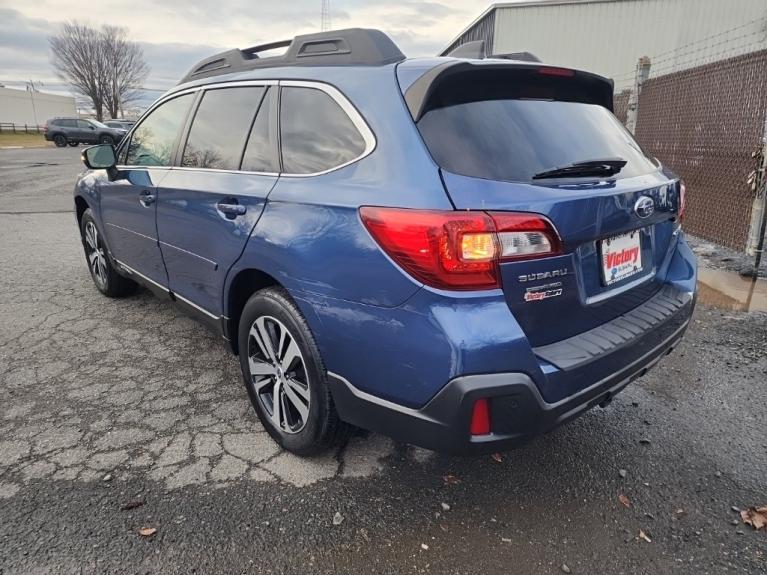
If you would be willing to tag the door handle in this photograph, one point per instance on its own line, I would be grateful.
(231, 208)
(146, 198)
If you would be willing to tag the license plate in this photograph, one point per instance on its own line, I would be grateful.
(621, 257)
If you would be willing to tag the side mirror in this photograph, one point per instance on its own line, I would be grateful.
(100, 157)
(93, 127)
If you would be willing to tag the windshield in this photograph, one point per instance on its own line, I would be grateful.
(515, 139)
(97, 124)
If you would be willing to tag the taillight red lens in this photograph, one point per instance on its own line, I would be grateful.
(480, 417)
(459, 250)
(430, 245)
(682, 199)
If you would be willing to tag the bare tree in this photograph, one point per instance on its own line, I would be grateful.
(101, 64)
(125, 60)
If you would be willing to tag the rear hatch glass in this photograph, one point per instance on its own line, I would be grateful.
(521, 124)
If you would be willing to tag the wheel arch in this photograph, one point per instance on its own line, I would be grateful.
(243, 284)
(81, 204)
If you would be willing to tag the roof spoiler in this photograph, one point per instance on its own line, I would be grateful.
(417, 96)
(350, 47)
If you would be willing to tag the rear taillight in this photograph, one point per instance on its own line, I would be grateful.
(682, 199)
(459, 250)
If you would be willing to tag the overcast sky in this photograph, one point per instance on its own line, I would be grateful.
(177, 33)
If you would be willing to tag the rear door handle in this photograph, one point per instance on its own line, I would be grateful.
(146, 198)
(231, 208)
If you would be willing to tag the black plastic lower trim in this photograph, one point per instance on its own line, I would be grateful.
(519, 412)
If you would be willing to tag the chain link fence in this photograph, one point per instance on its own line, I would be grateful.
(702, 111)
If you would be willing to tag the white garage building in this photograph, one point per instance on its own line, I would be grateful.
(609, 36)
(33, 108)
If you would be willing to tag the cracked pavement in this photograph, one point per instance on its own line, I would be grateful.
(106, 402)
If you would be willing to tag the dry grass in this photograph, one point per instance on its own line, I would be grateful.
(23, 140)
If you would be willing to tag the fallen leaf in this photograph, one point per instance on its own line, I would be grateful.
(497, 457)
(424, 547)
(132, 504)
(756, 517)
(147, 531)
(338, 518)
(643, 535)
(625, 500)
(450, 479)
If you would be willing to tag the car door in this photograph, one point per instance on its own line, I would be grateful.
(69, 128)
(85, 132)
(209, 204)
(129, 200)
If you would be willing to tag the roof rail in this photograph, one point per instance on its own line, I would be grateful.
(350, 47)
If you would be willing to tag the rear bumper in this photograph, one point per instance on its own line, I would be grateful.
(518, 411)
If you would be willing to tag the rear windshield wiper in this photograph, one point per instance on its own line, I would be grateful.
(601, 167)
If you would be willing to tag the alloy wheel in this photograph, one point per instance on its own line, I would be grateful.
(94, 251)
(278, 374)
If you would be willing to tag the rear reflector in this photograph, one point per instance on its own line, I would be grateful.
(480, 417)
(682, 199)
(459, 250)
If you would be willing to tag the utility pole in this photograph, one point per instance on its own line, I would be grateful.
(642, 74)
(32, 89)
(325, 22)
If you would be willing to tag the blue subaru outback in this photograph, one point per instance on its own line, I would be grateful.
(457, 252)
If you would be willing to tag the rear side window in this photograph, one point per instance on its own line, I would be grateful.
(316, 133)
(66, 123)
(153, 140)
(510, 131)
(220, 128)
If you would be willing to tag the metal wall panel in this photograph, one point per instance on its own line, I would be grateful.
(483, 29)
(608, 37)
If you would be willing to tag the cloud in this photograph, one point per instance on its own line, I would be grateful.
(175, 34)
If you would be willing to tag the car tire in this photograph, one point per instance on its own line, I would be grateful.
(74, 144)
(278, 355)
(100, 263)
(60, 140)
(106, 139)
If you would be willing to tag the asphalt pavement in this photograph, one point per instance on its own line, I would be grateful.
(121, 415)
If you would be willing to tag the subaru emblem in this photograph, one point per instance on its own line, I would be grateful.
(644, 207)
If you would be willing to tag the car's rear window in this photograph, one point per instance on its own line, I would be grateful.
(511, 134)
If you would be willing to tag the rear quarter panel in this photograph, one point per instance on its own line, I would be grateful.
(310, 237)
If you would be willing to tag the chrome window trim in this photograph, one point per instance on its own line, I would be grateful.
(338, 97)
(217, 170)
